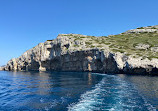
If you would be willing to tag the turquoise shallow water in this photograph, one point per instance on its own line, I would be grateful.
(72, 91)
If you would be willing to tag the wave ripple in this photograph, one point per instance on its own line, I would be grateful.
(112, 94)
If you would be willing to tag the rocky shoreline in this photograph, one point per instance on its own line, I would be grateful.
(75, 52)
(89, 61)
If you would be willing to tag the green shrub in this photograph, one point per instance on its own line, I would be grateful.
(76, 45)
(88, 43)
(140, 28)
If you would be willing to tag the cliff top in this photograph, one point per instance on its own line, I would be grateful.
(140, 42)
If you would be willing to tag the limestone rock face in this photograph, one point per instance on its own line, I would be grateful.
(148, 29)
(142, 46)
(75, 52)
(142, 30)
(155, 49)
(2, 68)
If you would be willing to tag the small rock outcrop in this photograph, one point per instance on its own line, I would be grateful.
(75, 52)
(142, 46)
(148, 29)
(154, 49)
(2, 68)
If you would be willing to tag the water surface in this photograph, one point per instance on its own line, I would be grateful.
(72, 91)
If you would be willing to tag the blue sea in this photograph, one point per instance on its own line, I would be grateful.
(77, 91)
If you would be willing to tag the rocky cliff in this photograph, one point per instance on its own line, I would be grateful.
(133, 52)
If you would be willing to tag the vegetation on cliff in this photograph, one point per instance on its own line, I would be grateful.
(143, 44)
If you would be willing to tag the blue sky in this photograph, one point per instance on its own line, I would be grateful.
(25, 23)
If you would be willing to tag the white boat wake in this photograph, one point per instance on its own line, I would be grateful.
(111, 94)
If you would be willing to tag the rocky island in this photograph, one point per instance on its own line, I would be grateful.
(132, 52)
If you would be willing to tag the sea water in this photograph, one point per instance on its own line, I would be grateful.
(77, 91)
